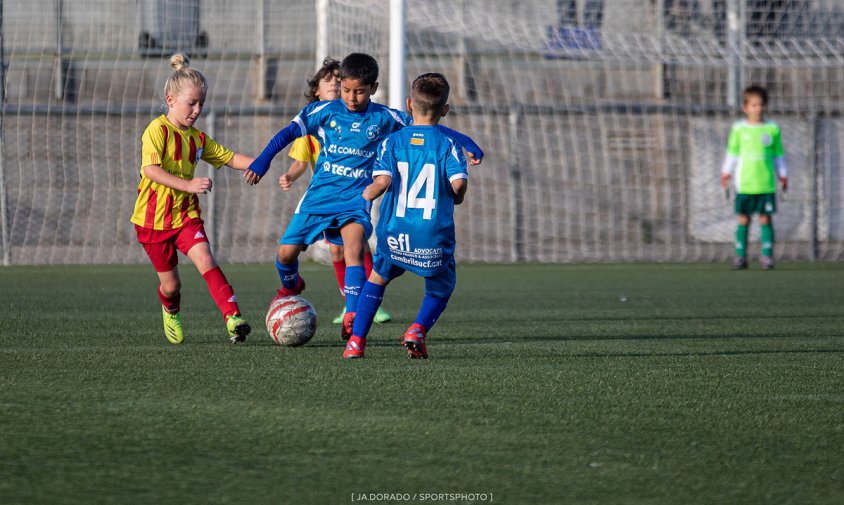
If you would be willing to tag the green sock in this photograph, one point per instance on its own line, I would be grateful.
(767, 234)
(741, 241)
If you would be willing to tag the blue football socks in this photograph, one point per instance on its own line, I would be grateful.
(432, 308)
(355, 277)
(288, 274)
(370, 299)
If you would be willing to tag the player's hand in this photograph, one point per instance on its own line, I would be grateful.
(369, 193)
(784, 183)
(285, 182)
(725, 179)
(251, 177)
(199, 185)
(472, 160)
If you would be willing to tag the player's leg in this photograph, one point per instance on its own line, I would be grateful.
(741, 241)
(369, 301)
(338, 260)
(354, 236)
(199, 252)
(766, 232)
(162, 253)
(303, 229)
(169, 292)
(287, 266)
(438, 290)
(381, 316)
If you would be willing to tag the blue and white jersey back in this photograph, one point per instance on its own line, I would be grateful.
(349, 143)
(416, 226)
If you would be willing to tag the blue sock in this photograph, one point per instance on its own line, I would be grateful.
(287, 273)
(355, 277)
(368, 303)
(432, 308)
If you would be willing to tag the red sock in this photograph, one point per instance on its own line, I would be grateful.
(172, 304)
(367, 263)
(340, 273)
(221, 291)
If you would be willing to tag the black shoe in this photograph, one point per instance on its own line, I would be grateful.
(740, 263)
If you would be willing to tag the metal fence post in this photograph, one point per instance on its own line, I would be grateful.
(58, 85)
(814, 128)
(4, 233)
(735, 48)
(517, 252)
(262, 50)
(211, 220)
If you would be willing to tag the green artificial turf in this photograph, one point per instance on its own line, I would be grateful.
(547, 384)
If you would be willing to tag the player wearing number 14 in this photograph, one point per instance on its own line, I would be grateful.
(422, 174)
(350, 130)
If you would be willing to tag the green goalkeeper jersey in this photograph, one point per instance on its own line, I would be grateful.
(756, 147)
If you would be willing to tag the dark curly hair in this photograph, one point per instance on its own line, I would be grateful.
(330, 66)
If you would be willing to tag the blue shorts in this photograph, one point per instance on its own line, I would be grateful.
(305, 229)
(440, 284)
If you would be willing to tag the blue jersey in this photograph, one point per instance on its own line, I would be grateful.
(349, 143)
(416, 226)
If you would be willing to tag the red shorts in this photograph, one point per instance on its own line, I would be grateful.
(161, 245)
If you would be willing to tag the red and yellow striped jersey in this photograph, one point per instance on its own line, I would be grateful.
(305, 149)
(177, 151)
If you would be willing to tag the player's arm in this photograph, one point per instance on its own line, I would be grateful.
(779, 162)
(782, 172)
(459, 186)
(157, 174)
(731, 157)
(382, 175)
(728, 168)
(379, 186)
(476, 154)
(217, 156)
(280, 140)
(297, 168)
(242, 162)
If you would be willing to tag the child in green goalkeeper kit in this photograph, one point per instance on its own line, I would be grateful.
(755, 161)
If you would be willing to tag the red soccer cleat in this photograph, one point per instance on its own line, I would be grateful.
(348, 323)
(285, 292)
(354, 348)
(414, 340)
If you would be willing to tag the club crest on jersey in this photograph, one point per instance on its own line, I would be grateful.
(766, 139)
(373, 132)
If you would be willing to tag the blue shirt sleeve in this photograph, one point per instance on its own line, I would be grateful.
(463, 141)
(281, 139)
(382, 162)
(455, 163)
(407, 118)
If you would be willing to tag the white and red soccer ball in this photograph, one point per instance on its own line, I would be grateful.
(291, 321)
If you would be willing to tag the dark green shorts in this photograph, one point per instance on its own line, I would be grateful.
(756, 204)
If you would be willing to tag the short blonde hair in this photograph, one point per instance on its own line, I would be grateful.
(183, 76)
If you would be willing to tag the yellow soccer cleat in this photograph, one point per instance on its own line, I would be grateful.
(173, 326)
(339, 319)
(238, 328)
(382, 316)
